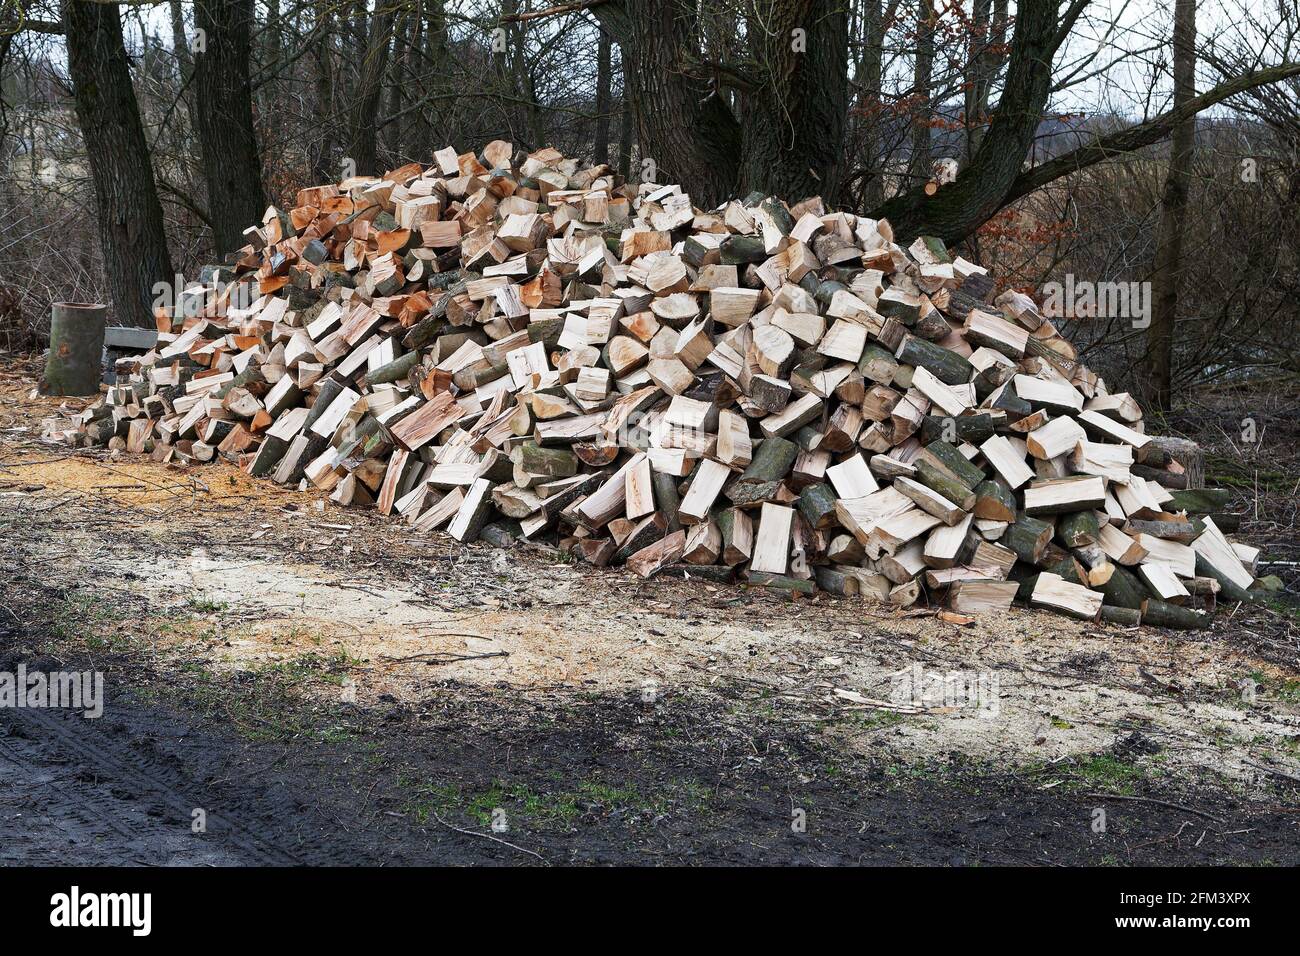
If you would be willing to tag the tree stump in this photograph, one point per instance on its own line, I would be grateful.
(75, 364)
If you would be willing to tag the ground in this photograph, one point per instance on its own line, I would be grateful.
(289, 682)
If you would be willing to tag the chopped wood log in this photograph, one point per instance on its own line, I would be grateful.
(1218, 553)
(906, 594)
(734, 449)
(473, 512)
(1125, 590)
(948, 458)
(703, 544)
(1184, 532)
(1006, 461)
(946, 365)
(638, 490)
(1028, 538)
(980, 597)
(1229, 589)
(1162, 582)
(944, 545)
(1107, 429)
(737, 536)
(772, 543)
(1054, 439)
(1054, 592)
(1077, 529)
(1058, 398)
(706, 485)
(1060, 495)
(941, 482)
(950, 513)
(817, 504)
(1160, 614)
(652, 559)
(782, 582)
(1200, 501)
(1179, 557)
(852, 478)
(1123, 616)
(792, 418)
(994, 502)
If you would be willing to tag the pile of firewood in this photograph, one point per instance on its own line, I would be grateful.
(514, 346)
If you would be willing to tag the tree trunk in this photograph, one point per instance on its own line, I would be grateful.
(184, 63)
(130, 216)
(224, 102)
(794, 103)
(1168, 267)
(431, 42)
(363, 147)
(506, 40)
(604, 81)
(627, 126)
(961, 207)
(870, 73)
(793, 123)
(989, 34)
(919, 166)
(976, 101)
(75, 365)
(397, 81)
(685, 128)
(321, 149)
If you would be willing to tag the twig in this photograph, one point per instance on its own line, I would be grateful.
(487, 836)
(1280, 773)
(437, 657)
(1162, 803)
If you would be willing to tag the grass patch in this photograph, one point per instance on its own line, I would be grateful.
(259, 711)
(879, 719)
(1282, 606)
(82, 621)
(1224, 471)
(544, 808)
(205, 605)
(305, 668)
(1108, 773)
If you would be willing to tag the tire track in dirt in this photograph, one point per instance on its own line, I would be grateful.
(117, 800)
(54, 812)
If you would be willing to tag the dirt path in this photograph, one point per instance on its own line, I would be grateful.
(328, 687)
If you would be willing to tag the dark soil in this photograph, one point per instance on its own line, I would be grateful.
(602, 780)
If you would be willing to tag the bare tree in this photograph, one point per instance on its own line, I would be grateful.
(232, 167)
(1168, 269)
(130, 216)
(604, 81)
(919, 168)
(363, 141)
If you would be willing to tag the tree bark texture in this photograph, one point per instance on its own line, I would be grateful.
(224, 108)
(126, 198)
(1168, 268)
(604, 82)
(363, 146)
